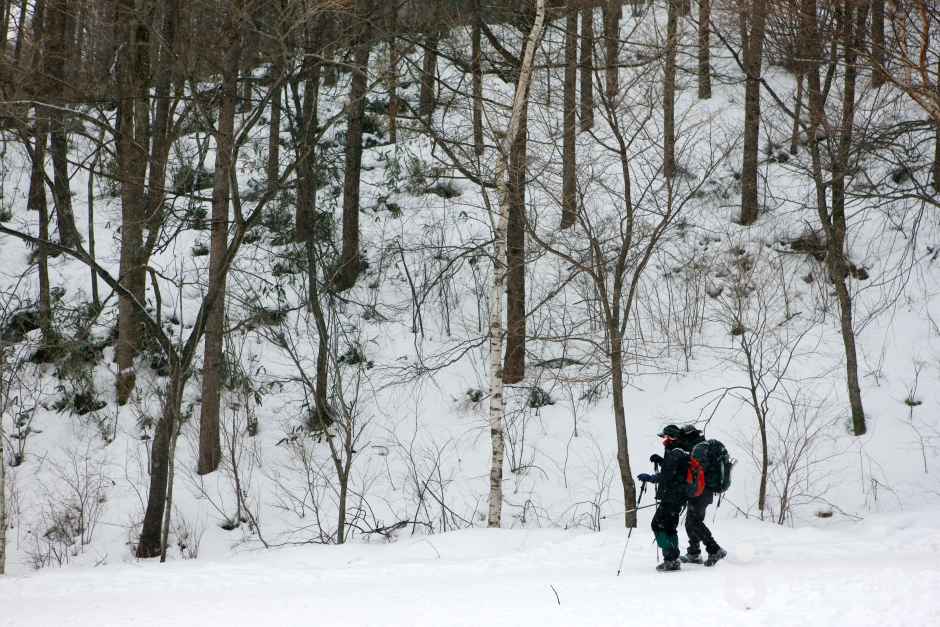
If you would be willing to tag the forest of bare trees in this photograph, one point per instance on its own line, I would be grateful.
(568, 123)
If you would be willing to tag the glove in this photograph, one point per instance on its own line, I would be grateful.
(656, 459)
(645, 478)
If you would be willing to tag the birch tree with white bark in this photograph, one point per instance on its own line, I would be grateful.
(500, 219)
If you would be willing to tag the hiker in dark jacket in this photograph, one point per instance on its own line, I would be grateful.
(695, 528)
(672, 493)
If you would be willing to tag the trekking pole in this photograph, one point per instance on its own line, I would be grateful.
(656, 470)
(630, 532)
(627, 511)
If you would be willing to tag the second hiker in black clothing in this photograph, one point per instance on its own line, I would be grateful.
(695, 528)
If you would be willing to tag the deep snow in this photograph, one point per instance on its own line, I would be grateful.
(884, 571)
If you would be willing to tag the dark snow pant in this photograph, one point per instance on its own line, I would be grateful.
(665, 526)
(695, 524)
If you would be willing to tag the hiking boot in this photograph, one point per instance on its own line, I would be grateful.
(714, 557)
(669, 566)
(691, 558)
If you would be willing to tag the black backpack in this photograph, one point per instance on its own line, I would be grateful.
(689, 436)
(716, 464)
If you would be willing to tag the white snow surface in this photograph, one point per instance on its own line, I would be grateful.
(883, 571)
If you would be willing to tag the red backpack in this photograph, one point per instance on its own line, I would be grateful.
(695, 478)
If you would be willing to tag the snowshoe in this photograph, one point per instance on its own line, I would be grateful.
(669, 566)
(691, 558)
(714, 557)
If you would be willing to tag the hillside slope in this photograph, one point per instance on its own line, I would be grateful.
(416, 367)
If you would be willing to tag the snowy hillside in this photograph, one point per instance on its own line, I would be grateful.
(849, 533)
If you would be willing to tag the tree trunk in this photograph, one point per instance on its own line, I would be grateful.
(151, 538)
(394, 60)
(348, 271)
(163, 129)
(132, 142)
(753, 56)
(612, 14)
(210, 446)
(3, 469)
(936, 142)
(569, 200)
(834, 223)
(37, 202)
(428, 96)
(307, 207)
(343, 479)
(877, 43)
(37, 189)
(95, 296)
(170, 476)
(587, 69)
(753, 385)
(321, 417)
(306, 152)
(514, 363)
(684, 8)
(901, 40)
(79, 39)
(57, 54)
(499, 274)
(62, 193)
(764, 469)
(20, 32)
(476, 69)
(797, 110)
(620, 425)
(855, 20)
(5, 10)
(274, 132)
(704, 49)
(669, 92)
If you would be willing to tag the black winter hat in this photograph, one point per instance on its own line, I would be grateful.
(671, 431)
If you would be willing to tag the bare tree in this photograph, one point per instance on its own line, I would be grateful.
(569, 158)
(614, 249)
(476, 70)
(500, 218)
(514, 362)
(753, 59)
(3, 478)
(669, 90)
(878, 42)
(210, 448)
(56, 57)
(753, 308)
(37, 202)
(427, 101)
(833, 219)
(587, 68)
(799, 445)
(348, 271)
(704, 49)
(133, 137)
(612, 11)
(7, 370)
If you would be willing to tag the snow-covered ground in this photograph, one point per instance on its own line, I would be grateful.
(884, 571)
